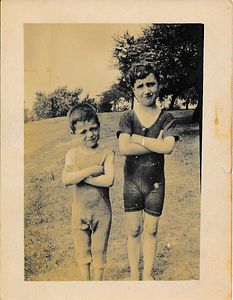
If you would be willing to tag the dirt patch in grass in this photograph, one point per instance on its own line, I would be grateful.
(49, 248)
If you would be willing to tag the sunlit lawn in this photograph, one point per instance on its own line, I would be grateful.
(49, 248)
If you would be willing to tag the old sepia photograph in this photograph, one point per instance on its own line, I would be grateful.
(116, 141)
(112, 147)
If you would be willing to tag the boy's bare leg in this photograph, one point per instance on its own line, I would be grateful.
(100, 244)
(134, 220)
(98, 273)
(85, 271)
(149, 244)
(82, 241)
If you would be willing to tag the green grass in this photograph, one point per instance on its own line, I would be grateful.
(49, 248)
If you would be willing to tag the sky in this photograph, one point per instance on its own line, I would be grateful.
(72, 55)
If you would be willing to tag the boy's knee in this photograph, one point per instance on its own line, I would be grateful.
(151, 230)
(135, 231)
(83, 260)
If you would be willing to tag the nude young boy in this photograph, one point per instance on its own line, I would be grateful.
(89, 167)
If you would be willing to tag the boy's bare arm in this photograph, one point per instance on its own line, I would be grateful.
(70, 175)
(128, 147)
(159, 145)
(107, 179)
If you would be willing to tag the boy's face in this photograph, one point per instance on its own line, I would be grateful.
(87, 133)
(146, 90)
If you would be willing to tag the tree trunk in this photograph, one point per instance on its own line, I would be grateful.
(196, 114)
(171, 106)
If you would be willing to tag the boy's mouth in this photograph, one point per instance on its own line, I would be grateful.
(92, 140)
(149, 96)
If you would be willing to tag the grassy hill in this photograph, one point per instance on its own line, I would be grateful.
(49, 248)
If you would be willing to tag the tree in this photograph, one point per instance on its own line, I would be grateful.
(26, 115)
(55, 104)
(90, 101)
(176, 50)
(180, 56)
(61, 100)
(191, 97)
(127, 50)
(110, 99)
(41, 107)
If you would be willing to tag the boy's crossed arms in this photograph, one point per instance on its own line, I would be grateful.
(97, 175)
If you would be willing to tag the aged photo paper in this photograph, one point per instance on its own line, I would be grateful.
(26, 25)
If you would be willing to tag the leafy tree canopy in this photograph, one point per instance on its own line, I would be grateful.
(118, 92)
(176, 50)
(57, 103)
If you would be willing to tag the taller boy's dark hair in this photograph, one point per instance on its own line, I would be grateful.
(82, 112)
(141, 70)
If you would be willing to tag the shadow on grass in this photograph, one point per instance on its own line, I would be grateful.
(185, 124)
(185, 121)
(183, 116)
(189, 131)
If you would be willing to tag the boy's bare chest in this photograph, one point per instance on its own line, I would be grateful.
(147, 119)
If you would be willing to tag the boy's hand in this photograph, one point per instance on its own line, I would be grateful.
(97, 171)
(133, 138)
(160, 137)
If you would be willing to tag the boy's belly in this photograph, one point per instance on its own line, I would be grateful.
(91, 197)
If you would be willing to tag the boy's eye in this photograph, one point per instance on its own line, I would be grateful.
(139, 86)
(82, 132)
(150, 84)
(94, 128)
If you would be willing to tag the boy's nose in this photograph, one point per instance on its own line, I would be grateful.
(147, 90)
(89, 133)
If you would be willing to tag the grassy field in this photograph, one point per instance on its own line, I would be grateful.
(49, 248)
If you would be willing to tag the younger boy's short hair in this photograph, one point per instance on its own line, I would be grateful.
(82, 112)
(141, 70)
